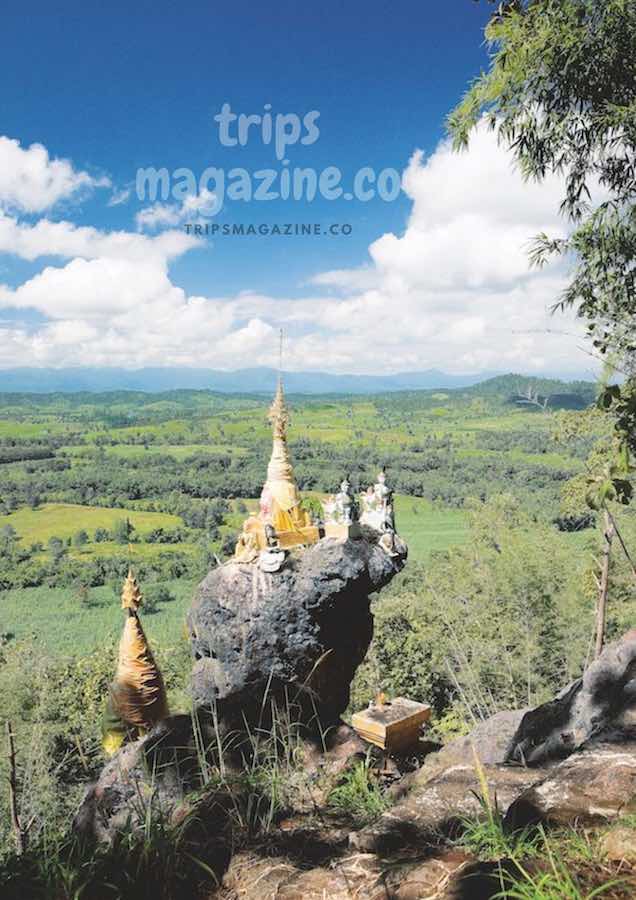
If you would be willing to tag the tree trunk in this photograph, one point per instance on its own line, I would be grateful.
(601, 609)
(18, 833)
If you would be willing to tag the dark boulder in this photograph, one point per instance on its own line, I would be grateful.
(600, 706)
(297, 635)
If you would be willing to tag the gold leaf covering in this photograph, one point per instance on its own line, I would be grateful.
(138, 690)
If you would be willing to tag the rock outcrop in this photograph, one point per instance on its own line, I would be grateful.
(435, 806)
(161, 773)
(589, 788)
(600, 706)
(155, 773)
(297, 635)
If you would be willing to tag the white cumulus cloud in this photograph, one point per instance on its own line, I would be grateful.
(452, 291)
(165, 215)
(30, 181)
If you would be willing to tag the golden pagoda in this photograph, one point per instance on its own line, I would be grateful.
(281, 521)
(137, 697)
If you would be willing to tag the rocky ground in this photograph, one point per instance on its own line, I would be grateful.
(259, 810)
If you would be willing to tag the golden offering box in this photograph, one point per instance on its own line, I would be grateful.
(394, 725)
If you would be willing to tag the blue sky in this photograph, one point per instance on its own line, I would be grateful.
(116, 88)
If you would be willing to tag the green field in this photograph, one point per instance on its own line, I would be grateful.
(66, 625)
(58, 618)
(427, 529)
(64, 519)
(91, 461)
(177, 451)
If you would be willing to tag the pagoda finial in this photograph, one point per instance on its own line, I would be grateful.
(131, 594)
(278, 412)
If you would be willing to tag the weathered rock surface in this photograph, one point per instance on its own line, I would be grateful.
(156, 771)
(589, 787)
(600, 706)
(298, 634)
(355, 876)
(437, 878)
(443, 874)
(619, 845)
(491, 740)
(436, 805)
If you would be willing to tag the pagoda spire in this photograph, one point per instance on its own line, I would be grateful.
(281, 519)
(280, 466)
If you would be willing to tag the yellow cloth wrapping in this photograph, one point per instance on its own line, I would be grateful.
(138, 690)
(284, 494)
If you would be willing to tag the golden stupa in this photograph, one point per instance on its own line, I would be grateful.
(137, 697)
(281, 521)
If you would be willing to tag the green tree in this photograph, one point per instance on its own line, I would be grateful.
(8, 539)
(122, 531)
(561, 93)
(80, 538)
(56, 548)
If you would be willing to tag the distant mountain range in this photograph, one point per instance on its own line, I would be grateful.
(245, 381)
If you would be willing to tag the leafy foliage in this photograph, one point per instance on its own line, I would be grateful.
(561, 93)
(359, 795)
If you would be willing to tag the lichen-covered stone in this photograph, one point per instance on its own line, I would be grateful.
(297, 635)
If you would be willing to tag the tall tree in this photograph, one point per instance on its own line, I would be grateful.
(561, 93)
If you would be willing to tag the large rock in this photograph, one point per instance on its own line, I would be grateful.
(589, 788)
(490, 740)
(356, 876)
(152, 775)
(167, 775)
(297, 635)
(435, 806)
(600, 706)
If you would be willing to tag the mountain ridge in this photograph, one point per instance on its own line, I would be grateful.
(248, 380)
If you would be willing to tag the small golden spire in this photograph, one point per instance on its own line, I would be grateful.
(131, 594)
(280, 465)
(137, 697)
(278, 412)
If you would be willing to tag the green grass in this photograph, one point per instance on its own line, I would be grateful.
(177, 451)
(359, 795)
(9, 428)
(64, 519)
(428, 529)
(64, 625)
